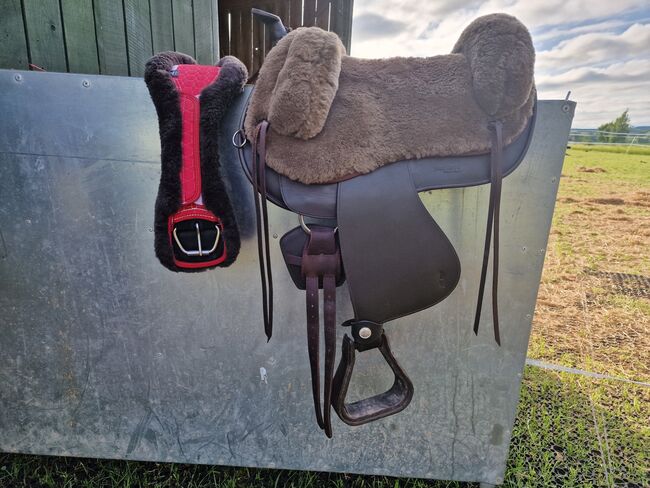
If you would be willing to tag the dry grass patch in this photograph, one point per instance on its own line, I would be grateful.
(601, 234)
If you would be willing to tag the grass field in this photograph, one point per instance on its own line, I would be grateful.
(593, 313)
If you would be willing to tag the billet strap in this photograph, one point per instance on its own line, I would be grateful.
(321, 264)
(496, 177)
(367, 335)
(262, 222)
(313, 258)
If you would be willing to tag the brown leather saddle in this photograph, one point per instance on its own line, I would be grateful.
(370, 227)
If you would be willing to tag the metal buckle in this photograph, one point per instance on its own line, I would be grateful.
(200, 251)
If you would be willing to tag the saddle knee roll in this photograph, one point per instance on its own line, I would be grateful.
(195, 226)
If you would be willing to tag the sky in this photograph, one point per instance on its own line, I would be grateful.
(597, 49)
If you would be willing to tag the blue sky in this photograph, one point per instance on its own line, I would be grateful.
(598, 49)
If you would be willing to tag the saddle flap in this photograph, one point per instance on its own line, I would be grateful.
(397, 259)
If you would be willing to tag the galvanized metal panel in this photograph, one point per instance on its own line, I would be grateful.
(107, 354)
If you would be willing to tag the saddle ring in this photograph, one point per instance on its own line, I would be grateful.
(307, 230)
(242, 139)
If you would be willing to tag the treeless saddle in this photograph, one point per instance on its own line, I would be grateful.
(351, 142)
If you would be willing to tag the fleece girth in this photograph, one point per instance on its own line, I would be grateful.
(195, 226)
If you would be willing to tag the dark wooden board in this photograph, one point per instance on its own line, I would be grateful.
(80, 36)
(309, 13)
(183, 26)
(45, 34)
(203, 36)
(323, 14)
(138, 34)
(111, 38)
(12, 36)
(162, 25)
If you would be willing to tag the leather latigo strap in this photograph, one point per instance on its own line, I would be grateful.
(261, 220)
(496, 178)
(314, 262)
(321, 266)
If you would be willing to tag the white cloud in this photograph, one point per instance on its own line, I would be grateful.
(597, 47)
(591, 48)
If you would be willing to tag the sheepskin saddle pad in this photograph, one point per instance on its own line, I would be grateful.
(332, 116)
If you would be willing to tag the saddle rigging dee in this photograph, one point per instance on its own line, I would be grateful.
(354, 141)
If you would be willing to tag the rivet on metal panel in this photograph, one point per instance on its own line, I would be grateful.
(85, 83)
(565, 108)
(553, 180)
(18, 78)
(524, 249)
(275, 236)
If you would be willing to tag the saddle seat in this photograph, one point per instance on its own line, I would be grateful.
(332, 116)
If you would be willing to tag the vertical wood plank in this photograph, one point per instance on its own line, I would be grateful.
(235, 33)
(341, 21)
(258, 48)
(224, 33)
(162, 26)
(80, 36)
(138, 34)
(13, 40)
(323, 14)
(183, 26)
(215, 30)
(281, 8)
(247, 38)
(45, 34)
(295, 13)
(203, 40)
(111, 38)
(309, 15)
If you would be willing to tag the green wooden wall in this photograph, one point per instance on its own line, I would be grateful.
(113, 37)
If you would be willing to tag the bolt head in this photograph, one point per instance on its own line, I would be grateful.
(365, 332)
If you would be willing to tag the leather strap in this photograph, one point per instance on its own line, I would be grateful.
(496, 177)
(261, 220)
(321, 263)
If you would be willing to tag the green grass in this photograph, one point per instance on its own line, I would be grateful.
(641, 150)
(616, 166)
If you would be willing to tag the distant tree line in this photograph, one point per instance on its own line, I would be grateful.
(620, 125)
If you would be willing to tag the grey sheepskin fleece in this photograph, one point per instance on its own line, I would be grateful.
(333, 116)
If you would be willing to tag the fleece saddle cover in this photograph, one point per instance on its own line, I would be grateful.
(195, 226)
(332, 117)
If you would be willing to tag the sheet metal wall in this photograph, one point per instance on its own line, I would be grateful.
(104, 353)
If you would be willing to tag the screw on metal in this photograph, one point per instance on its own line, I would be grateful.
(85, 83)
(18, 77)
(565, 108)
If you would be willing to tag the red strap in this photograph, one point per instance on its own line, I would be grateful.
(190, 79)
